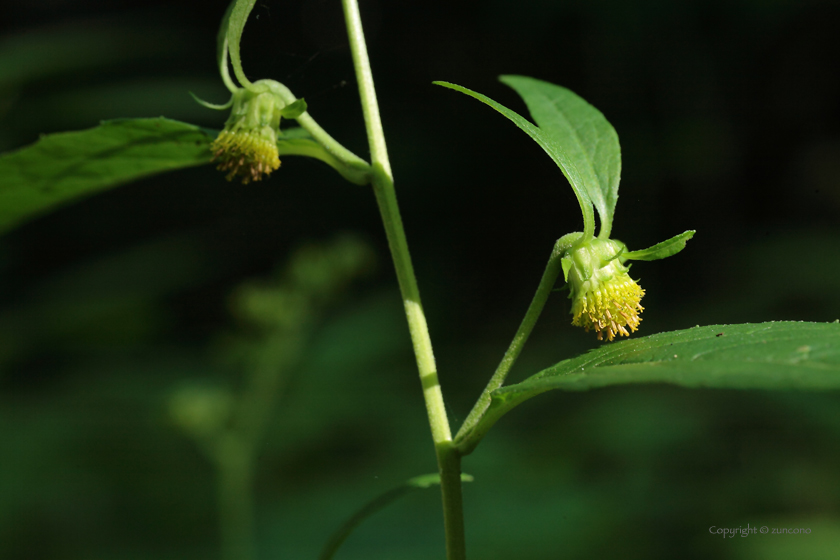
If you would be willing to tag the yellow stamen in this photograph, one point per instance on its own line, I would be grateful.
(249, 154)
(608, 307)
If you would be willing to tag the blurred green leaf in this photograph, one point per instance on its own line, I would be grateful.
(783, 355)
(76, 46)
(588, 139)
(821, 542)
(114, 300)
(61, 167)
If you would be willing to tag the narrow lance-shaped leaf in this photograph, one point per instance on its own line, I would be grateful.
(777, 355)
(661, 250)
(552, 147)
(588, 139)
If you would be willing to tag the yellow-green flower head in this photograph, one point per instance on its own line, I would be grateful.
(604, 297)
(247, 147)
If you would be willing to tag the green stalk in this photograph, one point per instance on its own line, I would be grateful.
(466, 439)
(330, 144)
(235, 499)
(383, 186)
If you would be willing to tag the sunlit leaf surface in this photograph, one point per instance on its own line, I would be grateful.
(775, 355)
(64, 166)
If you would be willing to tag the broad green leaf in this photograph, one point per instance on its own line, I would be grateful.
(777, 355)
(239, 12)
(588, 139)
(555, 149)
(61, 167)
(65, 166)
(660, 250)
(378, 503)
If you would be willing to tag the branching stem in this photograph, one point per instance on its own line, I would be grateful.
(467, 438)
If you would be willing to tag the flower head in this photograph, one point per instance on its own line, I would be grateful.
(247, 147)
(604, 297)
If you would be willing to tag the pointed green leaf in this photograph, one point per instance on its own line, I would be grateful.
(294, 110)
(589, 140)
(660, 250)
(777, 355)
(239, 12)
(417, 483)
(61, 167)
(552, 146)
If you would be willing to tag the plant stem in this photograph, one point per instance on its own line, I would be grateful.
(330, 144)
(463, 439)
(386, 198)
(449, 463)
(448, 457)
(364, 76)
(235, 499)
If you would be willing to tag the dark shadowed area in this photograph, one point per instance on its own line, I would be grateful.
(132, 319)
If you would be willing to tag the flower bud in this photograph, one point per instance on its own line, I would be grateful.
(604, 297)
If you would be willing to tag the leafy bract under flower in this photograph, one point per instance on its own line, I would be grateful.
(604, 297)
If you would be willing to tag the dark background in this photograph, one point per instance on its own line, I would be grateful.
(729, 120)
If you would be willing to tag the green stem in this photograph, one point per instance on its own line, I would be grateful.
(330, 144)
(466, 439)
(235, 499)
(383, 187)
(389, 210)
(449, 463)
(265, 383)
(364, 77)
(235, 451)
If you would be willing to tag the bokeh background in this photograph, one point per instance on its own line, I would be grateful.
(729, 119)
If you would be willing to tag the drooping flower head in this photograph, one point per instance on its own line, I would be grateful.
(585, 147)
(604, 297)
(247, 147)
